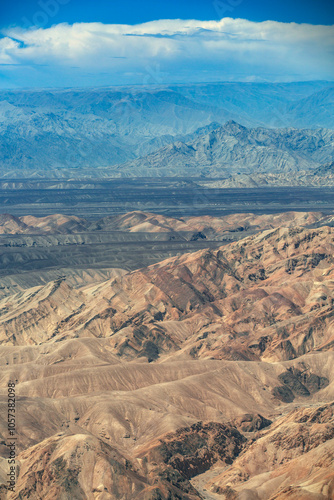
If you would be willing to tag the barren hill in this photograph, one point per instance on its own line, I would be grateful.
(206, 375)
(268, 296)
(139, 221)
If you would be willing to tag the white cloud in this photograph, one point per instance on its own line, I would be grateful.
(184, 50)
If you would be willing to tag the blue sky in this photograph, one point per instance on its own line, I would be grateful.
(78, 43)
(139, 11)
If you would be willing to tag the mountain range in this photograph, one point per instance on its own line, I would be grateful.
(233, 148)
(50, 130)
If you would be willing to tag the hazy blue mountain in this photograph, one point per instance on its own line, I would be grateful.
(327, 169)
(91, 128)
(233, 148)
(317, 110)
(50, 129)
(297, 104)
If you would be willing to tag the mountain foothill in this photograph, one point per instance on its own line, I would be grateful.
(206, 374)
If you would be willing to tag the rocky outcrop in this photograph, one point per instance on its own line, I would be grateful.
(251, 423)
(293, 458)
(298, 383)
(193, 450)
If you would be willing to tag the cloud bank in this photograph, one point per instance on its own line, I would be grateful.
(165, 51)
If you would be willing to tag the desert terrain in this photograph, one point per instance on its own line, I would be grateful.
(165, 357)
(166, 250)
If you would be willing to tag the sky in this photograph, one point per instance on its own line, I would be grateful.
(78, 43)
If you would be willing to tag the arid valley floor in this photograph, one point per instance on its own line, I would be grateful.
(160, 357)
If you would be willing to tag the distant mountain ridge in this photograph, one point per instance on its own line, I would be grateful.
(234, 148)
(62, 129)
(90, 128)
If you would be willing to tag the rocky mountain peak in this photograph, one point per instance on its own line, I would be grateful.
(233, 127)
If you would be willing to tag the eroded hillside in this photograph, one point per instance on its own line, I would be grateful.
(206, 375)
